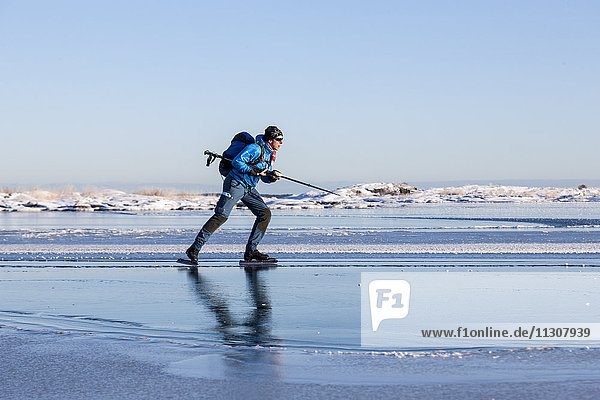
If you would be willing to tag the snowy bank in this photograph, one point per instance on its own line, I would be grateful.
(355, 196)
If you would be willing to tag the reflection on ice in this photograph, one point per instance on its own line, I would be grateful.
(253, 328)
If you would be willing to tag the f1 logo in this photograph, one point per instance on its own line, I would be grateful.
(389, 299)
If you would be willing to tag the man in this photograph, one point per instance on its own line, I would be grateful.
(254, 162)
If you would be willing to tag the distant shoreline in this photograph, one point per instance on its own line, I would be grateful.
(355, 196)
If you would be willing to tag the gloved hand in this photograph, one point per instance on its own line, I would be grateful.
(274, 175)
(258, 171)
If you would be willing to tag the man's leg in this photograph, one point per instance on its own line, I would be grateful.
(233, 191)
(263, 216)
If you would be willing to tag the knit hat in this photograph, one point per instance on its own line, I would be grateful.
(273, 132)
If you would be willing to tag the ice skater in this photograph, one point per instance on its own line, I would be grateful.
(242, 173)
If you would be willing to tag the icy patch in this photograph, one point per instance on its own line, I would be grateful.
(27, 250)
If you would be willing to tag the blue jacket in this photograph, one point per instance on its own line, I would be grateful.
(242, 163)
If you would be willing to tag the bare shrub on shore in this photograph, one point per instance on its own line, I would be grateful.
(90, 191)
(68, 190)
(11, 190)
(453, 191)
(44, 194)
(158, 192)
(41, 194)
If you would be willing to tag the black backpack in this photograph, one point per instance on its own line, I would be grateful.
(238, 143)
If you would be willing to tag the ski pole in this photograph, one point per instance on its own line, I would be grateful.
(307, 184)
(211, 157)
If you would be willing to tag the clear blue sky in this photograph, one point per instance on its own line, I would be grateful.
(135, 91)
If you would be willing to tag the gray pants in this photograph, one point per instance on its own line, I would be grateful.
(233, 191)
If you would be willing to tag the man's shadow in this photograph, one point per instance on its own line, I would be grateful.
(252, 349)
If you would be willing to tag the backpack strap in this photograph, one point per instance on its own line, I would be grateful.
(261, 158)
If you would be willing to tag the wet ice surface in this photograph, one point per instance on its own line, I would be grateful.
(296, 325)
(107, 281)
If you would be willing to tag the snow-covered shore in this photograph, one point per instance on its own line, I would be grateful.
(355, 196)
